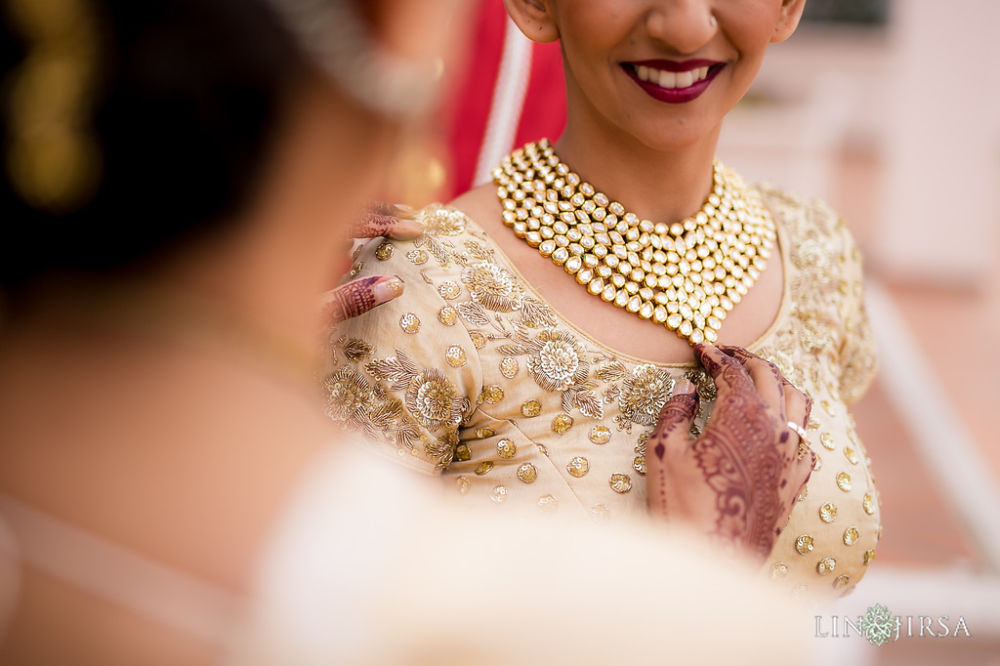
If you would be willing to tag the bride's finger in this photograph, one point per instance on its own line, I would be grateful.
(670, 438)
(385, 219)
(766, 377)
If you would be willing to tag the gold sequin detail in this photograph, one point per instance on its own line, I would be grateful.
(844, 482)
(548, 503)
(509, 367)
(492, 394)
(531, 408)
(410, 323)
(639, 464)
(484, 467)
(448, 315)
(826, 439)
(484, 433)
(506, 448)
(417, 256)
(828, 512)
(478, 339)
(868, 502)
(803, 494)
(463, 484)
(600, 434)
(562, 423)
(804, 544)
(818, 463)
(869, 556)
(462, 453)
(356, 268)
(449, 290)
(779, 570)
(828, 408)
(851, 455)
(499, 493)
(455, 356)
(527, 473)
(578, 466)
(384, 251)
(541, 449)
(841, 581)
(851, 536)
(826, 566)
(620, 483)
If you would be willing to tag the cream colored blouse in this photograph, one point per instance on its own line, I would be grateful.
(472, 375)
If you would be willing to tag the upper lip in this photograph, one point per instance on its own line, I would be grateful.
(674, 65)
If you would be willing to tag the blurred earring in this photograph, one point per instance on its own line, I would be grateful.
(334, 34)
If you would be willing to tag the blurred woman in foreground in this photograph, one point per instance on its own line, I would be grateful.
(178, 173)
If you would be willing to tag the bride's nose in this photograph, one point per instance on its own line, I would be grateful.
(683, 26)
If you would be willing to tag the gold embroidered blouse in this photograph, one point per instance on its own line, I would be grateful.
(472, 374)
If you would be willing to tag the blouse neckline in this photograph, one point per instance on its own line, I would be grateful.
(757, 343)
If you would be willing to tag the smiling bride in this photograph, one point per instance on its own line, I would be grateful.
(549, 315)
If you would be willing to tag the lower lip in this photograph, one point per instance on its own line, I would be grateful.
(673, 95)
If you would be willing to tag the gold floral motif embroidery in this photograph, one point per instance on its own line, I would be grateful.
(643, 393)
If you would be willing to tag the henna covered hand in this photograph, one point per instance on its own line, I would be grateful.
(358, 297)
(738, 481)
(386, 219)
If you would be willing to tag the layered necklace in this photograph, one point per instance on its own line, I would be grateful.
(686, 275)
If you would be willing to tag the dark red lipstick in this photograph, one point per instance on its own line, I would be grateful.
(674, 95)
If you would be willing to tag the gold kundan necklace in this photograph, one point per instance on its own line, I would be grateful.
(686, 276)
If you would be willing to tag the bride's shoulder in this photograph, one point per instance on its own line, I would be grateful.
(479, 204)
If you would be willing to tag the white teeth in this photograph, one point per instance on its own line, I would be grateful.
(666, 79)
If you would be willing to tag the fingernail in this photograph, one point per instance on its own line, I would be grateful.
(406, 229)
(683, 387)
(387, 288)
(405, 212)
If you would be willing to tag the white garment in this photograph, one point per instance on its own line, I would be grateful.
(368, 568)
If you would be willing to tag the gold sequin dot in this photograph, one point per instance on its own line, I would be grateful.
(779, 570)
(868, 502)
(492, 394)
(527, 473)
(410, 323)
(803, 494)
(499, 493)
(548, 503)
(578, 466)
(869, 556)
(812, 424)
(484, 467)
(826, 566)
(448, 315)
(531, 408)
(417, 256)
(828, 408)
(506, 448)
(478, 339)
(463, 484)
(455, 356)
(483, 433)
(541, 449)
(449, 290)
(462, 453)
(356, 268)
(828, 512)
(851, 455)
(509, 367)
(600, 434)
(562, 423)
(826, 439)
(620, 483)
(804, 544)
(841, 581)
(639, 464)
(851, 536)
(384, 251)
(844, 482)
(818, 463)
